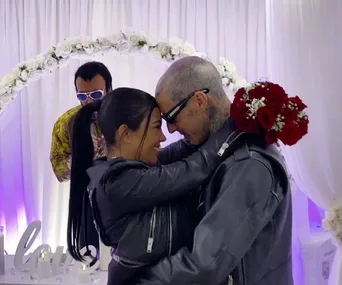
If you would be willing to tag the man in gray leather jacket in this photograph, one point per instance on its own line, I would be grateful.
(244, 236)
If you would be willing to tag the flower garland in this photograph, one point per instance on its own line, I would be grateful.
(59, 55)
(333, 221)
(265, 109)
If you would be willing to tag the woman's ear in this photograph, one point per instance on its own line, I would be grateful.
(124, 134)
(202, 100)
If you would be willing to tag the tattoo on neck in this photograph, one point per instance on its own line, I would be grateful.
(216, 117)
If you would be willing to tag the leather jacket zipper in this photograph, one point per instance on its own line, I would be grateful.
(244, 282)
(151, 232)
(227, 142)
(170, 229)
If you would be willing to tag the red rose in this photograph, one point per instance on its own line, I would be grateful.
(298, 102)
(247, 125)
(289, 114)
(256, 93)
(238, 112)
(265, 117)
(239, 94)
(276, 97)
(290, 134)
(271, 136)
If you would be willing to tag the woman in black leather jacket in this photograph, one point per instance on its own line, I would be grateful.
(142, 210)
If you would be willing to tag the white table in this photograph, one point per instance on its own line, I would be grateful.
(13, 277)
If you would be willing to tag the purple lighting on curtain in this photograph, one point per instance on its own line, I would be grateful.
(15, 206)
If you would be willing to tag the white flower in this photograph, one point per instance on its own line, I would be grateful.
(201, 55)
(89, 48)
(231, 67)
(63, 50)
(225, 81)
(50, 62)
(6, 98)
(10, 78)
(104, 42)
(4, 90)
(188, 49)
(164, 49)
(123, 46)
(40, 60)
(176, 45)
(30, 65)
(151, 41)
(24, 75)
(115, 39)
(19, 84)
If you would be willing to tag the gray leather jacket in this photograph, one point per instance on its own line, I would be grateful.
(246, 231)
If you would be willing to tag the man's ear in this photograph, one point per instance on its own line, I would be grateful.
(202, 100)
(124, 134)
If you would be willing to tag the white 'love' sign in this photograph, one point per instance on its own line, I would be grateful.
(56, 259)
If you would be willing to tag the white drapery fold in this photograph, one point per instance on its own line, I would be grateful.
(234, 29)
(304, 54)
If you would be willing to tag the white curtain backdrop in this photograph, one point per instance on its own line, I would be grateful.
(304, 47)
(28, 188)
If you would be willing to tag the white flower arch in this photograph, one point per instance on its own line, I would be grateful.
(84, 47)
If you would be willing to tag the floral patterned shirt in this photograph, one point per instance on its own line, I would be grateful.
(60, 154)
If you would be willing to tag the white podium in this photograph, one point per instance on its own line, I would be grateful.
(318, 253)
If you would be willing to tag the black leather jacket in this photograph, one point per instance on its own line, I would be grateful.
(143, 211)
(247, 228)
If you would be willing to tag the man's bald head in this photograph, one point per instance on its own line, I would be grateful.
(189, 74)
(203, 113)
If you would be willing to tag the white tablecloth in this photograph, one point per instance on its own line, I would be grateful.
(13, 277)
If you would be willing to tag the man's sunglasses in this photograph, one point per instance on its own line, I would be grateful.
(170, 116)
(95, 95)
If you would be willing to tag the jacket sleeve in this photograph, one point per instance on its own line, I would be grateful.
(226, 232)
(175, 151)
(137, 189)
(60, 153)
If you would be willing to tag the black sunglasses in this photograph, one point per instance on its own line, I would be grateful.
(170, 116)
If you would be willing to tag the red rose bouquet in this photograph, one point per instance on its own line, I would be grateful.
(265, 109)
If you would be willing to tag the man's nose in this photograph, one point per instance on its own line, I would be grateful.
(171, 128)
(89, 100)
